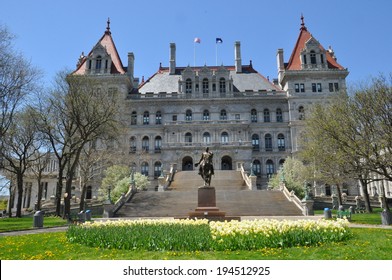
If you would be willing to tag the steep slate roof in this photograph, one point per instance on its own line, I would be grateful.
(248, 80)
(107, 42)
(304, 36)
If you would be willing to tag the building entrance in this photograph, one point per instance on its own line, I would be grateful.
(226, 163)
(187, 164)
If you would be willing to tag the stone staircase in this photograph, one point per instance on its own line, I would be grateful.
(232, 197)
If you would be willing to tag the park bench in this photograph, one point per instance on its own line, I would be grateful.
(344, 214)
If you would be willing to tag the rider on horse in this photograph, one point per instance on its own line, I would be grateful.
(206, 157)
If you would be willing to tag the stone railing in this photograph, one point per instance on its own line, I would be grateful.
(250, 181)
(165, 181)
(292, 197)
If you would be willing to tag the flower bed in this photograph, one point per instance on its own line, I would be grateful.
(201, 235)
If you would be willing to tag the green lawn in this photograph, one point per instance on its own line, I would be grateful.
(360, 218)
(11, 224)
(366, 244)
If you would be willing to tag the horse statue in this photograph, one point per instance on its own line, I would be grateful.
(206, 169)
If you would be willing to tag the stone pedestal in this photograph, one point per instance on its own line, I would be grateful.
(206, 205)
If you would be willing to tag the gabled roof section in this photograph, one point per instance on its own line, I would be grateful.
(304, 36)
(106, 41)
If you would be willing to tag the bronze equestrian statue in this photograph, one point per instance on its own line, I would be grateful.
(206, 169)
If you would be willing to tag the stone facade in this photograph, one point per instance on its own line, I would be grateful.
(244, 118)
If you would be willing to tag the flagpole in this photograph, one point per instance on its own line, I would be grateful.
(216, 54)
(194, 54)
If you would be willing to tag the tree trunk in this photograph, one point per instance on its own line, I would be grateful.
(59, 190)
(383, 196)
(82, 197)
(366, 195)
(19, 180)
(68, 197)
(339, 194)
(39, 195)
(11, 201)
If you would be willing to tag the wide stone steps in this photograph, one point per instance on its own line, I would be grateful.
(232, 197)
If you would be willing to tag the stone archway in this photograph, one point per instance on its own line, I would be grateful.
(187, 163)
(226, 163)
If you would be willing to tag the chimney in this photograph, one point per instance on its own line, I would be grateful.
(280, 62)
(131, 64)
(172, 67)
(237, 57)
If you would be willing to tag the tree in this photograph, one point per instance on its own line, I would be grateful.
(79, 111)
(20, 144)
(351, 136)
(294, 173)
(18, 79)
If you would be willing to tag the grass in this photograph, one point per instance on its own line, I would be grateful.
(360, 218)
(366, 244)
(25, 223)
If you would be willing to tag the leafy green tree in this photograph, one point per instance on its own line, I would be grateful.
(294, 174)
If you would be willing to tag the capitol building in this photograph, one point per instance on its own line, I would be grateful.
(242, 117)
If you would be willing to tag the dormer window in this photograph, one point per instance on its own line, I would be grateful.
(98, 63)
(205, 86)
(188, 86)
(313, 57)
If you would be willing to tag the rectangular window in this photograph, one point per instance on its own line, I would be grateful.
(330, 87)
(302, 87)
(314, 87)
(319, 88)
(174, 118)
(296, 87)
(237, 116)
(336, 86)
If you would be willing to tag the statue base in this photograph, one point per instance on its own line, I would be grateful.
(206, 205)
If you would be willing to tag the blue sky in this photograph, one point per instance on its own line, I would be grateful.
(52, 34)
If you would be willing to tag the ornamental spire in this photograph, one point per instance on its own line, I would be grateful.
(108, 27)
(303, 27)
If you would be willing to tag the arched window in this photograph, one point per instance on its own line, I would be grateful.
(256, 167)
(279, 115)
(222, 85)
(312, 57)
(188, 139)
(301, 113)
(158, 117)
(206, 138)
(205, 85)
(188, 86)
(158, 144)
(206, 115)
(253, 116)
(281, 142)
(224, 138)
(267, 115)
(270, 167)
(188, 115)
(145, 143)
(268, 142)
(157, 169)
(146, 117)
(132, 144)
(223, 115)
(144, 168)
(255, 142)
(281, 162)
(134, 118)
(98, 63)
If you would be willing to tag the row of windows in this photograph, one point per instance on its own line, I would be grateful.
(205, 86)
(269, 166)
(206, 138)
(316, 87)
(281, 143)
(206, 116)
